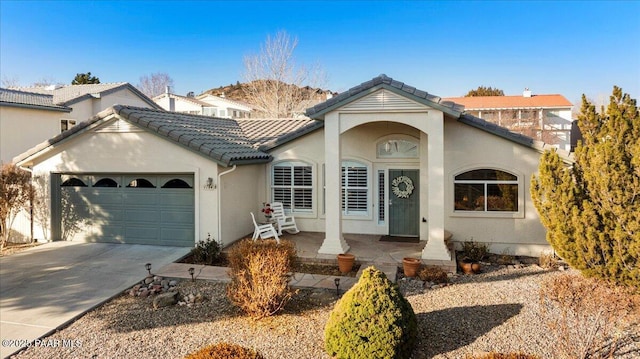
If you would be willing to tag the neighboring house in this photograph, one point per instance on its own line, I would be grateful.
(227, 108)
(206, 105)
(544, 117)
(31, 115)
(382, 158)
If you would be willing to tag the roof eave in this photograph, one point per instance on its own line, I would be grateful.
(286, 139)
(36, 107)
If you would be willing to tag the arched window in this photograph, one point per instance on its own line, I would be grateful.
(486, 190)
(397, 148)
(176, 183)
(140, 183)
(73, 182)
(106, 182)
(292, 184)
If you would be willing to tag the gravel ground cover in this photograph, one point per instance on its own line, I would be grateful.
(497, 310)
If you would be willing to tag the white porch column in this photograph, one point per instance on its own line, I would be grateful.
(435, 249)
(334, 242)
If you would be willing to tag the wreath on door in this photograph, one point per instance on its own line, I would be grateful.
(408, 186)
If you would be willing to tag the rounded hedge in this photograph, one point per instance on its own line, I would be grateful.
(371, 320)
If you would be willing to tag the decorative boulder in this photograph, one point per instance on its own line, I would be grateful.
(165, 300)
(371, 320)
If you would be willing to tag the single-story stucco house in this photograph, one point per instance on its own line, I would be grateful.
(381, 158)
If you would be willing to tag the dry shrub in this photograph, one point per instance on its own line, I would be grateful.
(548, 260)
(433, 274)
(585, 313)
(224, 351)
(494, 355)
(260, 272)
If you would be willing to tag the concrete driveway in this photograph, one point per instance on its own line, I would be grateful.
(48, 286)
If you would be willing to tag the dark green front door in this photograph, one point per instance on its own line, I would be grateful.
(404, 203)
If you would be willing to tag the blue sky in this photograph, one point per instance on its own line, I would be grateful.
(445, 48)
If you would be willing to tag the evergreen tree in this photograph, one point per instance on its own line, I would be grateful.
(485, 91)
(592, 210)
(84, 79)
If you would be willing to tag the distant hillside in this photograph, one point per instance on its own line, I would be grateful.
(237, 92)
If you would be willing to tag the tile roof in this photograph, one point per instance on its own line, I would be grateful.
(66, 95)
(17, 98)
(266, 134)
(221, 140)
(383, 81)
(499, 102)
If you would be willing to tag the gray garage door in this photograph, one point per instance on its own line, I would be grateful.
(129, 208)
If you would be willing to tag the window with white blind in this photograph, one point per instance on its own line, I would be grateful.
(355, 188)
(292, 184)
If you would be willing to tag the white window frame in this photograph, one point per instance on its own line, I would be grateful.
(519, 213)
(293, 187)
(346, 188)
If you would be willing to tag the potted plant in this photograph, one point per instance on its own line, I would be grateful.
(267, 210)
(345, 262)
(411, 266)
(471, 255)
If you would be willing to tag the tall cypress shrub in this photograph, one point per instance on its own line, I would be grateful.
(591, 210)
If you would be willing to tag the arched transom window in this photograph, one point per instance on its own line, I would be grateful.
(397, 148)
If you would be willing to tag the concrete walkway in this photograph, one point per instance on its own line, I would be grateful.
(48, 286)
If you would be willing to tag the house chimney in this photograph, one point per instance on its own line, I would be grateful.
(526, 92)
(166, 90)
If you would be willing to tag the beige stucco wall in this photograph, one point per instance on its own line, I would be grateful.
(241, 191)
(85, 109)
(137, 152)
(468, 148)
(465, 148)
(23, 128)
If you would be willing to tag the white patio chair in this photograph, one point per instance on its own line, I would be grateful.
(263, 231)
(287, 223)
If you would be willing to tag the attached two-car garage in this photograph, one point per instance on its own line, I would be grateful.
(124, 208)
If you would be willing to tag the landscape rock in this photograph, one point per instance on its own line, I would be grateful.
(165, 300)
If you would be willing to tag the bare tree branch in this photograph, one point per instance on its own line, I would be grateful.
(276, 85)
(154, 84)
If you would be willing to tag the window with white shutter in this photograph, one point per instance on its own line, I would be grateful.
(355, 188)
(292, 184)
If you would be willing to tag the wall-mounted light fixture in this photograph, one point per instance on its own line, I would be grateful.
(210, 184)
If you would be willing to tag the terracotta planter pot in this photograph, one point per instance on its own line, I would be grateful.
(411, 266)
(345, 262)
(469, 267)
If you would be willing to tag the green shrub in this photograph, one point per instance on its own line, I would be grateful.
(433, 274)
(494, 355)
(371, 320)
(260, 272)
(474, 251)
(206, 252)
(224, 351)
(590, 207)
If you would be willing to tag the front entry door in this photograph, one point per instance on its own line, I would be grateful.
(404, 203)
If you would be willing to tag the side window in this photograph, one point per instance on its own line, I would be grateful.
(355, 188)
(66, 125)
(292, 184)
(486, 190)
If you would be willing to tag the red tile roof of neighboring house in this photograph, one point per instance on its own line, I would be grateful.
(496, 102)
